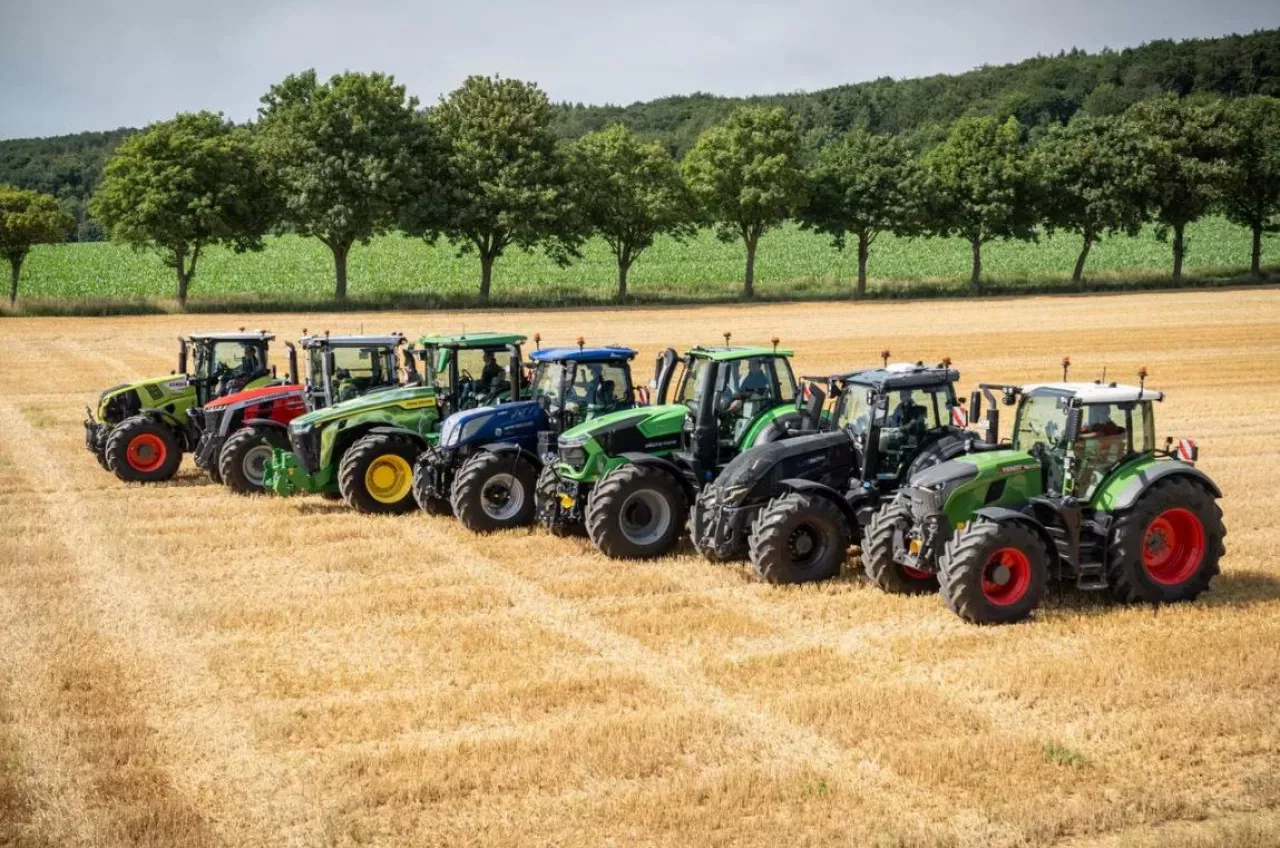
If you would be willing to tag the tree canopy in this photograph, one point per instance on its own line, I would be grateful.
(28, 218)
(1251, 182)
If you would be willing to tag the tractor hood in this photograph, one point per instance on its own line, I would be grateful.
(154, 391)
(504, 421)
(250, 395)
(806, 457)
(409, 397)
(644, 415)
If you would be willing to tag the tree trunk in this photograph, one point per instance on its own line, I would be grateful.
(486, 276)
(1179, 249)
(1077, 276)
(623, 267)
(749, 282)
(864, 248)
(975, 278)
(184, 280)
(15, 266)
(340, 270)
(1256, 263)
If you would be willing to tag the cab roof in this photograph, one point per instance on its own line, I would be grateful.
(1096, 392)
(469, 340)
(384, 340)
(609, 353)
(235, 336)
(902, 375)
(729, 354)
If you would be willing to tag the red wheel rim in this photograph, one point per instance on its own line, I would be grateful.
(916, 574)
(146, 452)
(1173, 546)
(1006, 576)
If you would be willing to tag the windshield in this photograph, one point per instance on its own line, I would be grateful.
(356, 370)
(691, 380)
(1042, 419)
(547, 379)
(231, 362)
(482, 374)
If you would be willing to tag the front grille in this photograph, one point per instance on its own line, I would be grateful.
(208, 419)
(155, 392)
(307, 449)
(924, 504)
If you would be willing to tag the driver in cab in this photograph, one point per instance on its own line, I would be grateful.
(755, 384)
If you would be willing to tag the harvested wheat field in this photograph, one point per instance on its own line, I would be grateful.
(182, 667)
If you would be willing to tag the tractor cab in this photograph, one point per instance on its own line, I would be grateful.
(472, 369)
(574, 384)
(224, 362)
(340, 368)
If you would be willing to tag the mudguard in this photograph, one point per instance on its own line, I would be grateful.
(1122, 494)
(507, 448)
(650, 461)
(166, 418)
(417, 438)
(1002, 514)
(799, 484)
(266, 422)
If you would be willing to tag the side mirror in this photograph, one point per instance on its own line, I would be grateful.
(975, 405)
(1072, 430)
(813, 415)
(293, 362)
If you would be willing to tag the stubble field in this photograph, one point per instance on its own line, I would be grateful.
(182, 667)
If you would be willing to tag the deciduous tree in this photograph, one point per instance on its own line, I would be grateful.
(746, 174)
(28, 218)
(181, 186)
(1251, 185)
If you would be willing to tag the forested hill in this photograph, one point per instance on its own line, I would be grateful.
(1037, 91)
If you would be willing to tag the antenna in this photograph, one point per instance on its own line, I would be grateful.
(1066, 366)
(884, 357)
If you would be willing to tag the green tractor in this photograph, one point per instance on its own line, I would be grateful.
(796, 506)
(142, 429)
(363, 450)
(1081, 494)
(631, 476)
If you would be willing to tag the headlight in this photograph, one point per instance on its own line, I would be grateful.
(449, 432)
(734, 494)
(574, 451)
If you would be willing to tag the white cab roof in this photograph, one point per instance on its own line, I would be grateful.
(388, 339)
(238, 336)
(1099, 392)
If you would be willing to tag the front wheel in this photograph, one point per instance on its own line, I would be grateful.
(142, 450)
(1166, 549)
(994, 572)
(243, 459)
(424, 493)
(376, 474)
(799, 538)
(888, 543)
(494, 491)
(636, 512)
(547, 505)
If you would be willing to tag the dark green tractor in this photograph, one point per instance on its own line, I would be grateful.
(1081, 495)
(797, 505)
(631, 476)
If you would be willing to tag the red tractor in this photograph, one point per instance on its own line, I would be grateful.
(240, 430)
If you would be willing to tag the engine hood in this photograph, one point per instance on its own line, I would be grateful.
(637, 417)
(499, 421)
(408, 397)
(252, 395)
(749, 467)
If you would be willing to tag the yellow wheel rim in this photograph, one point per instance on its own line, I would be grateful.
(389, 479)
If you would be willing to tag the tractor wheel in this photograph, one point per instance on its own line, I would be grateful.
(799, 538)
(244, 457)
(1166, 548)
(427, 500)
(885, 544)
(636, 512)
(494, 491)
(547, 505)
(101, 455)
(994, 572)
(376, 474)
(143, 450)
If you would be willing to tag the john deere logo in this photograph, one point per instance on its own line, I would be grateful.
(419, 403)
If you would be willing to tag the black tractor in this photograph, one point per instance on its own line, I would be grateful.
(796, 506)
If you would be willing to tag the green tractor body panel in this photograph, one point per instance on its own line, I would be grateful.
(603, 440)
(172, 396)
(1017, 473)
(1125, 476)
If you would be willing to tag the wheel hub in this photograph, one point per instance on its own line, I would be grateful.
(645, 517)
(502, 496)
(255, 464)
(801, 543)
(1000, 575)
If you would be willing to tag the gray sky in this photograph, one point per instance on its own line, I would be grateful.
(67, 66)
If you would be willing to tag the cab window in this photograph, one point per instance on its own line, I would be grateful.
(695, 373)
(600, 387)
(547, 378)
(238, 360)
(1041, 420)
(1106, 431)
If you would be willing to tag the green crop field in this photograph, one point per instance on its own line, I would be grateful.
(791, 264)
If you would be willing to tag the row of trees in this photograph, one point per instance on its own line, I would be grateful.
(354, 157)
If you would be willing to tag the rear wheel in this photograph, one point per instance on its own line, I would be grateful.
(494, 491)
(799, 538)
(143, 450)
(1166, 549)
(886, 545)
(994, 572)
(243, 459)
(636, 512)
(376, 474)
(424, 492)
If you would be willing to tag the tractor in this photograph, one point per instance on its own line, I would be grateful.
(142, 429)
(1081, 494)
(796, 506)
(363, 450)
(637, 471)
(488, 460)
(239, 431)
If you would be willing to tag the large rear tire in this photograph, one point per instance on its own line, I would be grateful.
(242, 460)
(494, 491)
(886, 542)
(142, 450)
(1166, 548)
(994, 572)
(424, 493)
(376, 474)
(636, 512)
(799, 538)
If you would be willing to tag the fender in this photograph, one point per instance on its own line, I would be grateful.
(162, 417)
(863, 502)
(265, 422)
(416, 438)
(813, 487)
(1001, 514)
(648, 460)
(506, 448)
(1129, 495)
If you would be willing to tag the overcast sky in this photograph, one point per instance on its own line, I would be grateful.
(68, 66)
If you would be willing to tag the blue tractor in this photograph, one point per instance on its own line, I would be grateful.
(488, 462)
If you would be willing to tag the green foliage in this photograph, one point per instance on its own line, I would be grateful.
(67, 167)
(28, 218)
(1184, 145)
(181, 186)
(747, 175)
(979, 186)
(862, 185)
(1251, 184)
(1063, 755)
(1091, 174)
(344, 157)
(506, 182)
(628, 192)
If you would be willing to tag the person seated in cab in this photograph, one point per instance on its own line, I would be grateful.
(1101, 444)
(754, 385)
(345, 386)
(606, 399)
